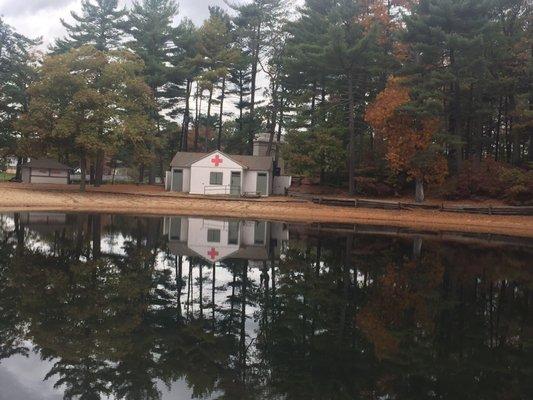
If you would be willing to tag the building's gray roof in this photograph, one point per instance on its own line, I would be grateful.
(45, 163)
(186, 159)
(253, 163)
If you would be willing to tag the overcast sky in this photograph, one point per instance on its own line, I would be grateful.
(36, 18)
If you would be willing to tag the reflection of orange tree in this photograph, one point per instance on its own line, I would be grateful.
(454, 321)
(399, 299)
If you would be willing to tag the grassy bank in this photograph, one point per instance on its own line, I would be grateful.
(4, 176)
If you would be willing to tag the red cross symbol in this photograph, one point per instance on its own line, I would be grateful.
(217, 160)
(212, 253)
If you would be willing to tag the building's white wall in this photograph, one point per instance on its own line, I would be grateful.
(197, 238)
(247, 233)
(200, 173)
(281, 183)
(186, 180)
(250, 182)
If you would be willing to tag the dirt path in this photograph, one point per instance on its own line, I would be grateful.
(132, 199)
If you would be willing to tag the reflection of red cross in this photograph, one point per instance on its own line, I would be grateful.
(212, 253)
(217, 160)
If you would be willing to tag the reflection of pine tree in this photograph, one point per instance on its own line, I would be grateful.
(11, 322)
(350, 315)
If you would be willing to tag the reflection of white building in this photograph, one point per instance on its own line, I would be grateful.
(216, 240)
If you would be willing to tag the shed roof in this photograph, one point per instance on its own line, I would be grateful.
(46, 163)
(253, 163)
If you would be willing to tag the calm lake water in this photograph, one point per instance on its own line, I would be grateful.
(132, 307)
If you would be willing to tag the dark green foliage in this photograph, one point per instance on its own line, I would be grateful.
(100, 24)
(17, 71)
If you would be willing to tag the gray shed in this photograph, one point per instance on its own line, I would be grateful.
(45, 170)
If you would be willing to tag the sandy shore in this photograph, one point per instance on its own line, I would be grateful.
(131, 199)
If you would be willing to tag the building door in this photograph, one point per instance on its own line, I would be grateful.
(262, 183)
(235, 183)
(177, 180)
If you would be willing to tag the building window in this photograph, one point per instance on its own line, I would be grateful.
(233, 232)
(215, 178)
(175, 228)
(213, 235)
(259, 233)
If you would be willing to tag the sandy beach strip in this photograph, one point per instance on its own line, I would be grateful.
(152, 200)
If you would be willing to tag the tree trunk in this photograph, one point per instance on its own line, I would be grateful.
(208, 120)
(272, 127)
(186, 117)
(255, 62)
(313, 106)
(83, 170)
(99, 168)
(18, 173)
(92, 173)
(141, 174)
(498, 130)
(419, 190)
(417, 247)
(197, 117)
(351, 133)
(241, 100)
(219, 140)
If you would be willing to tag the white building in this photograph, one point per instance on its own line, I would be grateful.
(215, 240)
(217, 173)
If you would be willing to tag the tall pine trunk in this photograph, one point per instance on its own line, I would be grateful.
(18, 173)
(241, 100)
(219, 139)
(351, 133)
(255, 63)
(83, 170)
(419, 190)
(186, 117)
(208, 120)
(99, 168)
(197, 117)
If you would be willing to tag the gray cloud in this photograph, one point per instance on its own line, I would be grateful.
(15, 8)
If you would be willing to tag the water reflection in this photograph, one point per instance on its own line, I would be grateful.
(125, 307)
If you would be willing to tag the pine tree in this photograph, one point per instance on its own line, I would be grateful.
(100, 25)
(150, 25)
(185, 72)
(17, 71)
(216, 54)
(256, 23)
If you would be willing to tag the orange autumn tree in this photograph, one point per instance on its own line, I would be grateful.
(410, 139)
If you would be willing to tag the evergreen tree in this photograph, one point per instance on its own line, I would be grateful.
(186, 70)
(100, 25)
(216, 54)
(17, 71)
(150, 25)
(255, 24)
